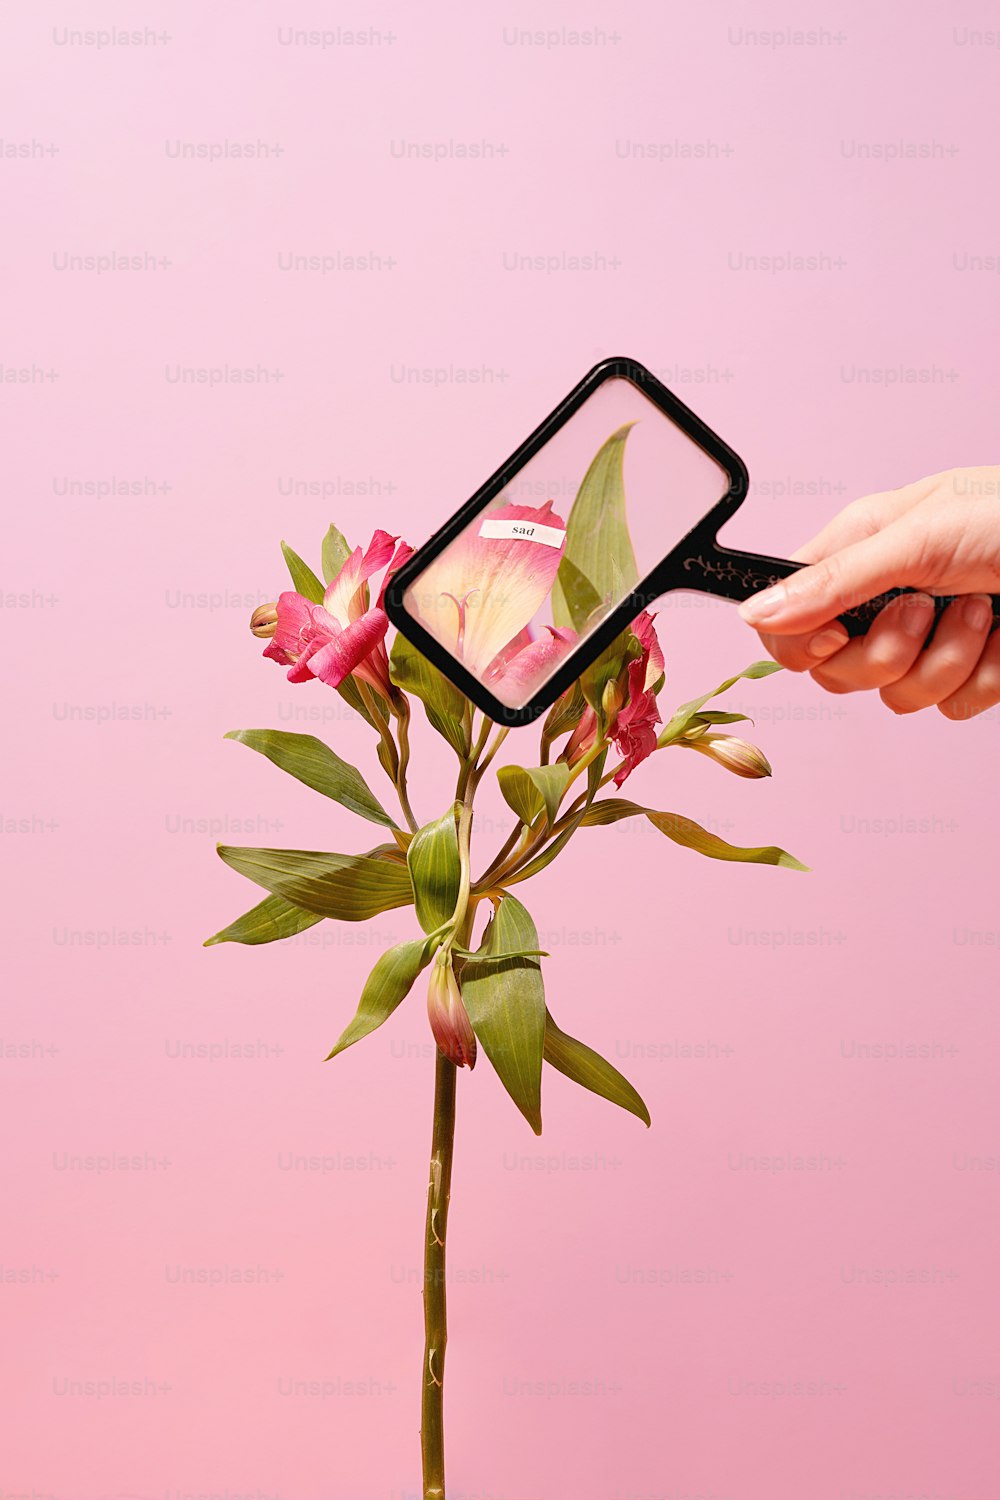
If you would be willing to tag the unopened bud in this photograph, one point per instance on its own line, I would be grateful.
(737, 755)
(448, 1016)
(611, 700)
(264, 621)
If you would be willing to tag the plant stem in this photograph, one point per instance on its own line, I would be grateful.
(500, 858)
(435, 1298)
(382, 725)
(501, 735)
(403, 720)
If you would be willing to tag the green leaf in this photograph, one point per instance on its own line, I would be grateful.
(566, 713)
(592, 1071)
(435, 870)
(598, 560)
(530, 792)
(610, 810)
(580, 598)
(351, 695)
(304, 580)
(335, 553)
(716, 716)
(684, 715)
(506, 1005)
(692, 836)
(310, 761)
(558, 844)
(498, 958)
(689, 834)
(387, 985)
(348, 887)
(549, 853)
(272, 919)
(443, 703)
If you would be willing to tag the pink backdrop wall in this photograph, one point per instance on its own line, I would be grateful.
(667, 1314)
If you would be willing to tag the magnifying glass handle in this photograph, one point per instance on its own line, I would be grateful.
(739, 575)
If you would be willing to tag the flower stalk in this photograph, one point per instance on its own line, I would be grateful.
(435, 1293)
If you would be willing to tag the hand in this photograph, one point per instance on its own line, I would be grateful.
(939, 536)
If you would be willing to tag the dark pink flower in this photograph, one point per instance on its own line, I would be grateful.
(631, 699)
(345, 635)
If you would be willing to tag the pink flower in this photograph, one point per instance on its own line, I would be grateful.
(631, 700)
(479, 596)
(448, 1016)
(345, 635)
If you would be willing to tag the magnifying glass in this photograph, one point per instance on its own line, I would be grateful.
(538, 574)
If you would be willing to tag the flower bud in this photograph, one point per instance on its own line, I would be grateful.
(612, 699)
(264, 621)
(448, 1016)
(737, 755)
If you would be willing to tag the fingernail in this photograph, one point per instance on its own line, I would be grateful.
(826, 642)
(764, 605)
(977, 611)
(916, 614)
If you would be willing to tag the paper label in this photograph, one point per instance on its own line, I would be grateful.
(524, 531)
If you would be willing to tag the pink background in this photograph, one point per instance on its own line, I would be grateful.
(657, 1315)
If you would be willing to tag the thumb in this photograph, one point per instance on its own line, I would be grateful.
(818, 593)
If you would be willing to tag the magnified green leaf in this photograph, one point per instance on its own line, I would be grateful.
(598, 561)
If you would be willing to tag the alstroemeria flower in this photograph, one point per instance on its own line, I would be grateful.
(480, 595)
(345, 635)
(632, 701)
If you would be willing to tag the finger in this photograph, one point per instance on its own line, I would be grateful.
(801, 653)
(949, 660)
(862, 519)
(981, 690)
(818, 593)
(886, 653)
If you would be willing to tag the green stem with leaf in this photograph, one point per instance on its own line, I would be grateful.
(442, 1155)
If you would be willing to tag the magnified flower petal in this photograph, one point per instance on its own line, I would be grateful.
(482, 591)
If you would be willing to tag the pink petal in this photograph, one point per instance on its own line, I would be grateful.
(344, 597)
(403, 553)
(635, 727)
(481, 592)
(521, 641)
(642, 629)
(514, 674)
(343, 653)
(583, 736)
(292, 629)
